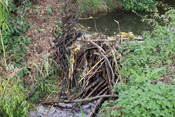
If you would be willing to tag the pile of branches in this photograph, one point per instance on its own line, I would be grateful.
(90, 71)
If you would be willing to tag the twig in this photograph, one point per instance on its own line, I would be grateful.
(102, 52)
(49, 110)
(97, 105)
(118, 25)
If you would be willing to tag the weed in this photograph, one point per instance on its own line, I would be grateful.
(144, 100)
(36, 11)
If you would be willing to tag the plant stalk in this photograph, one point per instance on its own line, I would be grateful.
(3, 50)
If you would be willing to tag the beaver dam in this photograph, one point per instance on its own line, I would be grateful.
(88, 66)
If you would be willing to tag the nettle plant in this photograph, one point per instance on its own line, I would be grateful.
(146, 100)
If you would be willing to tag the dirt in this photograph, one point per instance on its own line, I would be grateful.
(41, 27)
(42, 18)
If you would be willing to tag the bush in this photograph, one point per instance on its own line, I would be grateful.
(88, 7)
(143, 5)
(147, 100)
(94, 6)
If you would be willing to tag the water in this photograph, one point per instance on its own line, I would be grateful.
(129, 22)
(62, 110)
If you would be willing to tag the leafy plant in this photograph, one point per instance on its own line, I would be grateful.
(145, 5)
(146, 100)
(14, 40)
(148, 59)
(13, 103)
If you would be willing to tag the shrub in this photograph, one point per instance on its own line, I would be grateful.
(93, 6)
(143, 5)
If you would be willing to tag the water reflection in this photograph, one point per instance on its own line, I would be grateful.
(129, 22)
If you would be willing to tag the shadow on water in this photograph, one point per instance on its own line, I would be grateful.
(129, 22)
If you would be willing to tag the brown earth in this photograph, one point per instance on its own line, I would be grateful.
(42, 18)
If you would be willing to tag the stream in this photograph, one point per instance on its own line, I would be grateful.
(129, 22)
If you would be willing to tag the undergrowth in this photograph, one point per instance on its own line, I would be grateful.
(91, 7)
(12, 52)
(141, 65)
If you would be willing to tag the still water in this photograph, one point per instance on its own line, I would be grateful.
(129, 22)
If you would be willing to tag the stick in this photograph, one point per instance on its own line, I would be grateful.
(103, 52)
(3, 50)
(82, 100)
(96, 106)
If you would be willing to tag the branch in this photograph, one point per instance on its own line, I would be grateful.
(79, 100)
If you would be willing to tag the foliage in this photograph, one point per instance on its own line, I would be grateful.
(46, 80)
(141, 63)
(148, 59)
(13, 103)
(88, 7)
(94, 6)
(146, 100)
(14, 39)
(4, 13)
(145, 5)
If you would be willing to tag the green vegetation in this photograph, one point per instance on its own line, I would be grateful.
(88, 7)
(94, 6)
(14, 40)
(13, 103)
(13, 47)
(142, 64)
(143, 100)
(144, 5)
